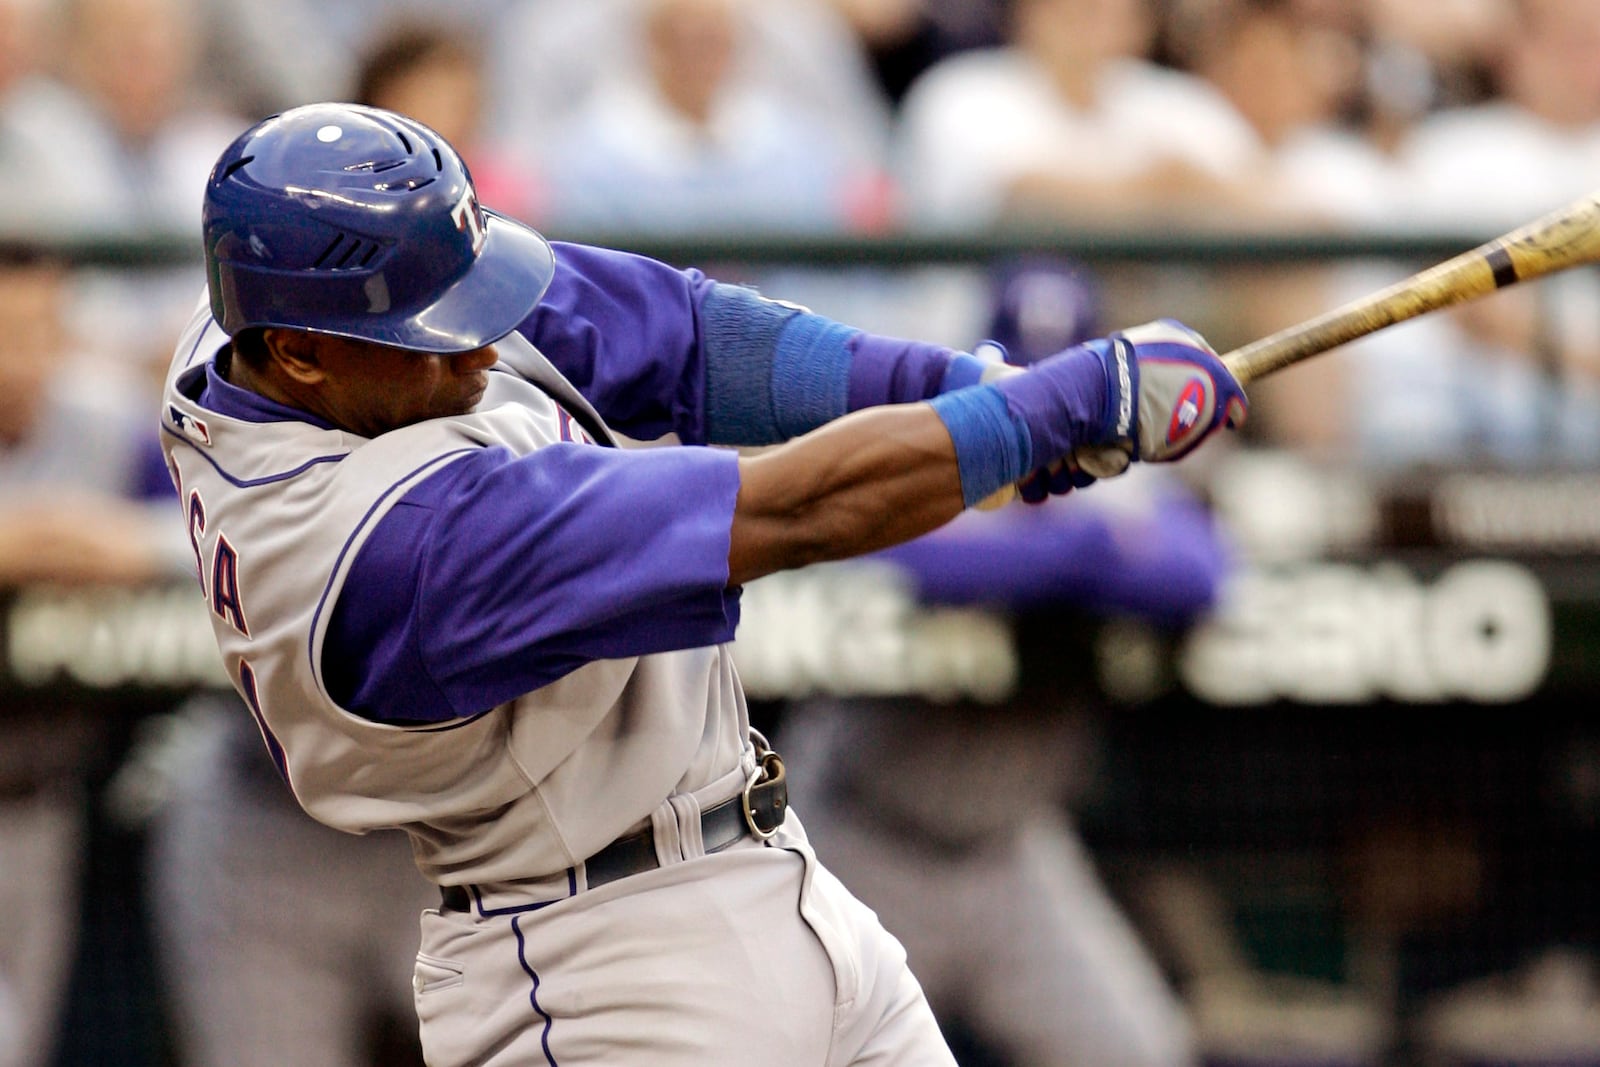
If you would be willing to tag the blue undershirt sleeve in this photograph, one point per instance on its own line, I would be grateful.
(775, 371)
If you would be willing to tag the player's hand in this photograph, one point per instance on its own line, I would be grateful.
(1168, 390)
(1053, 479)
(1151, 393)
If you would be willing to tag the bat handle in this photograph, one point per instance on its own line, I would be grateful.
(1240, 365)
(999, 498)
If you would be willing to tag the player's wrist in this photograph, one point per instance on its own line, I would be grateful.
(1075, 397)
(993, 447)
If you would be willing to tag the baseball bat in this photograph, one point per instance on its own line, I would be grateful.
(1567, 237)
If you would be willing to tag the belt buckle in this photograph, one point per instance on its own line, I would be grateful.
(769, 766)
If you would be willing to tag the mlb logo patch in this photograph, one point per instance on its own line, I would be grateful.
(1186, 413)
(192, 428)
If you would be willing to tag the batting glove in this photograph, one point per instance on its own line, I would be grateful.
(1168, 392)
(1152, 393)
(1161, 388)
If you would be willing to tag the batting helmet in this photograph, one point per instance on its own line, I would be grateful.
(350, 220)
(1041, 305)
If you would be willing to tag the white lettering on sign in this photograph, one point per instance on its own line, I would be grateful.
(855, 629)
(104, 638)
(1343, 634)
(1548, 513)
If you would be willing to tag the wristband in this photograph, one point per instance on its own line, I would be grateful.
(993, 446)
(1080, 396)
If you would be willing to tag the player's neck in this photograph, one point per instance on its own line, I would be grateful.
(240, 373)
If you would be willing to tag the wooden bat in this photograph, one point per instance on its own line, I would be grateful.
(1566, 237)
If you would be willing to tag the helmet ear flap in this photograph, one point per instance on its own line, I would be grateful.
(359, 222)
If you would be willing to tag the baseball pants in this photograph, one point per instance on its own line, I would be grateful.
(755, 955)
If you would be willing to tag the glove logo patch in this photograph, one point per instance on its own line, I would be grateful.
(1186, 412)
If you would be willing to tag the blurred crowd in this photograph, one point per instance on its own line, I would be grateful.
(609, 119)
(662, 118)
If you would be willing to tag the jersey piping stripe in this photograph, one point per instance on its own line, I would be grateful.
(344, 550)
(533, 994)
(201, 336)
(250, 483)
(522, 909)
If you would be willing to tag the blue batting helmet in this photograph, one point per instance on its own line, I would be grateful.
(1041, 305)
(350, 220)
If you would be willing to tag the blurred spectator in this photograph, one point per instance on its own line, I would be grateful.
(952, 820)
(133, 140)
(436, 76)
(264, 57)
(1297, 79)
(70, 437)
(1535, 145)
(683, 143)
(550, 55)
(906, 37)
(37, 183)
(1523, 365)
(125, 115)
(1069, 120)
(1434, 55)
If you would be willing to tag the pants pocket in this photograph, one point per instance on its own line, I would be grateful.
(433, 975)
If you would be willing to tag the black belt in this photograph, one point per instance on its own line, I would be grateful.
(757, 811)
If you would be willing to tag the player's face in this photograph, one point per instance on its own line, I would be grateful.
(369, 388)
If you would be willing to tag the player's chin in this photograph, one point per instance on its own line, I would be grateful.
(470, 394)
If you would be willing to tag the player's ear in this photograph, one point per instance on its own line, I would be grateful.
(294, 353)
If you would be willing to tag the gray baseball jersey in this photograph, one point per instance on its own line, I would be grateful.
(770, 961)
(565, 769)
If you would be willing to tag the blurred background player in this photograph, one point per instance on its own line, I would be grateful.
(280, 940)
(952, 820)
(72, 429)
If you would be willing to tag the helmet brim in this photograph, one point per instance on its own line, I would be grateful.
(504, 285)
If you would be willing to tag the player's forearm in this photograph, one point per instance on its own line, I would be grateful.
(887, 474)
(864, 482)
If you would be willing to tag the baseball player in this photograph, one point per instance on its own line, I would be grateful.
(454, 606)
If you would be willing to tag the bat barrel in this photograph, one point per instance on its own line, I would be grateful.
(1564, 238)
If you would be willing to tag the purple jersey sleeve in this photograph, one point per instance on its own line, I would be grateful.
(624, 330)
(498, 575)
